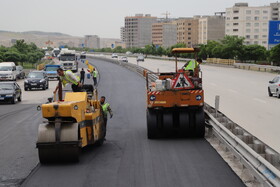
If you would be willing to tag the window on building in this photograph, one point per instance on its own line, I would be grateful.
(235, 17)
(189, 33)
(228, 24)
(227, 30)
(264, 30)
(247, 36)
(256, 18)
(264, 36)
(256, 30)
(235, 30)
(248, 18)
(247, 43)
(228, 18)
(248, 24)
(256, 42)
(256, 36)
(189, 42)
(265, 17)
(256, 24)
(248, 30)
(236, 11)
(265, 12)
(264, 24)
(189, 23)
(248, 11)
(189, 38)
(257, 12)
(189, 29)
(264, 42)
(235, 23)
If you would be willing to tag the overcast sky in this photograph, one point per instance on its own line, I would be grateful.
(99, 17)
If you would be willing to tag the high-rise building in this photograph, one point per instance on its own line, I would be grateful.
(187, 31)
(275, 11)
(248, 22)
(122, 34)
(211, 28)
(164, 34)
(138, 30)
(92, 41)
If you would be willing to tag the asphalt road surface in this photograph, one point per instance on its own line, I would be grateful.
(243, 97)
(128, 158)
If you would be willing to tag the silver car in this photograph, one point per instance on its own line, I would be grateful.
(274, 87)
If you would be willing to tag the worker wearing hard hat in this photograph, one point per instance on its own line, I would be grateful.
(193, 67)
(68, 77)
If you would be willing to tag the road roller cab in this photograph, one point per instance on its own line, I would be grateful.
(175, 103)
(71, 124)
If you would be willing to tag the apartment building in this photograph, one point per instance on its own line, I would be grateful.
(138, 30)
(92, 41)
(187, 31)
(211, 28)
(122, 34)
(248, 22)
(164, 34)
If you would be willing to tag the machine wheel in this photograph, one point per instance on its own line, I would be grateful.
(184, 122)
(19, 98)
(151, 124)
(13, 100)
(278, 93)
(44, 87)
(168, 122)
(199, 123)
(269, 92)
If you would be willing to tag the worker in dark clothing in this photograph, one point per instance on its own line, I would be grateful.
(82, 76)
(106, 109)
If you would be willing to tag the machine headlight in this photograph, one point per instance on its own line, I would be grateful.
(42, 80)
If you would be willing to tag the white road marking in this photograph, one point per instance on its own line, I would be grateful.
(259, 100)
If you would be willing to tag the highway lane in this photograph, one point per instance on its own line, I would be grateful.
(243, 97)
(128, 158)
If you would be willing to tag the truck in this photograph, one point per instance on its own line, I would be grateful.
(55, 52)
(68, 60)
(50, 69)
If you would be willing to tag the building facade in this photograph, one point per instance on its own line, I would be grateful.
(122, 34)
(248, 22)
(138, 30)
(187, 31)
(92, 41)
(211, 28)
(164, 34)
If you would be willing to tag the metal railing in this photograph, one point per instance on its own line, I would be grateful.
(262, 161)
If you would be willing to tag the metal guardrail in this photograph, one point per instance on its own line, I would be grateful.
(259, 158)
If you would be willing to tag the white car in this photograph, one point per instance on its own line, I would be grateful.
(114, 55)
(274, 87)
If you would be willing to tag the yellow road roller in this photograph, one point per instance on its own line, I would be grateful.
(72, 123)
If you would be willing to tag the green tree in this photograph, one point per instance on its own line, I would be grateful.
(274, 55)
(11, 56)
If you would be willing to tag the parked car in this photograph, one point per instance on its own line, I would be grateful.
(20, 72)
(274, 87)
(10, 92)
(114, 55)
(123, 59)
(140, 58)
(36, 79)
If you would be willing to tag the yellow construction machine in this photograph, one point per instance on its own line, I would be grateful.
(72, 123)
(175, 102)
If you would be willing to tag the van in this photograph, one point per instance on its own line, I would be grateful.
(8, 71)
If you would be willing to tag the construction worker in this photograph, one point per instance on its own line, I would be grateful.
(68, 77)
(193, 67)
(82, 76)
(94, 76)
(105, 108)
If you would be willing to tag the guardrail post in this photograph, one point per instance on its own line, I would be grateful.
(217, 103)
